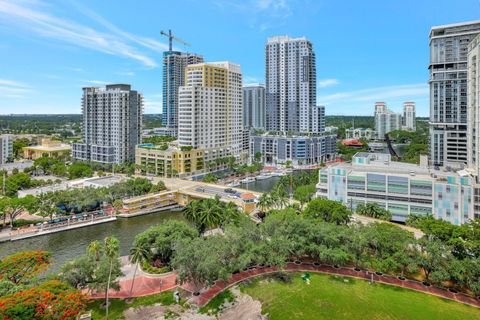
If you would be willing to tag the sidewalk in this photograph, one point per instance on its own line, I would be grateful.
(209, 293)
(144, 285)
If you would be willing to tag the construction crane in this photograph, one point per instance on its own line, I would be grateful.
(171, 37)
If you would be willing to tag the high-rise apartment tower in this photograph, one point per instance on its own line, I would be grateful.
(112, 122)
(174, 64)
(290, 84)
(448, 92)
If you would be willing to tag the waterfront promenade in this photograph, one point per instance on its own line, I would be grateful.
(148, 284)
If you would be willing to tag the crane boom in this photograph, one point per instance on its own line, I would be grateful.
(171, 37)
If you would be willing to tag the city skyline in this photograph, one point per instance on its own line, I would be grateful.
(51, 49)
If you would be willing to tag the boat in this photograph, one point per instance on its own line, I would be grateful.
(248, 180)
(263, 176)
(279, 174)
(234, 184)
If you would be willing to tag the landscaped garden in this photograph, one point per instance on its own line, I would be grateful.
(335, 297)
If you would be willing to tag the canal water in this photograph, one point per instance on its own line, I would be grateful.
(71, 244)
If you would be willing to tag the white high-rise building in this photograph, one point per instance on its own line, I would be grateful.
(290, 84)
(112, 123)
(210, 109)
(409, 116)
(174, 64)
(448, 92)
(6, 148)
(317, 123)
(386, 120)
(254, 106)
(473, 109)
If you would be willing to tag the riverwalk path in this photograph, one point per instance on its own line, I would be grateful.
(147, 284)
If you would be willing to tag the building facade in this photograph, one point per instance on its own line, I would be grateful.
(210, 109)
(386, 120)
(403, 189)
(6, 148)
(300, 150)
(49, 148)
(168, 161)
(174, 64)
(254, 106)
(409, 116)
(317, 119)
(360, 133)
(290, 84)
(448, 92)
(112, 123)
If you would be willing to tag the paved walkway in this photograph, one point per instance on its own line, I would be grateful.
(144, 284)
(206, 295)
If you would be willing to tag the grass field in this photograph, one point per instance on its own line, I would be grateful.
(330, 297)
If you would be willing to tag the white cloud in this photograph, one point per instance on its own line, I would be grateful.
(327, 83)
(407, 91)
(13, 89)
(96, 81)
(152, 106)
(261, 14)
(31, 17)
(126, 73)
(251, 80)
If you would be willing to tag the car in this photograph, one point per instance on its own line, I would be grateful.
(229, 190)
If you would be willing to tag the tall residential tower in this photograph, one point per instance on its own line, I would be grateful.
(254, 106)
(210, 109)
(174, 64)
(112, 122)
(409, 116)
(290, 84)
(448, 92)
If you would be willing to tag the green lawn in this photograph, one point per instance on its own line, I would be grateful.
(330, 297)
(118, 306)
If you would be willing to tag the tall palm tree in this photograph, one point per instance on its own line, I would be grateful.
(111, 247)
(138, 254)
(94, 249)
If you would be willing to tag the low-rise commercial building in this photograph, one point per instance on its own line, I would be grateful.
(360, 133)
(401, 188)
(50, 148)
(94, 182)
(300, 150)
(168, 160)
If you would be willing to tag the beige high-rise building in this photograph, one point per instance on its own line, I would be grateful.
(409, 116)
(210, 109)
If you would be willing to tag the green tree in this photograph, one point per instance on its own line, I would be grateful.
(13, 207)
(373, 210)
(432, 257)
(79, 170)
(327, 210)
(210, 178)
(304, 193)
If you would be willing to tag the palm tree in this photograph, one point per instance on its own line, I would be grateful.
(265, 202)
(112, 246)
(94, 249)
(138, 254)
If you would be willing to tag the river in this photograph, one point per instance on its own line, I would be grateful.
(71, 244)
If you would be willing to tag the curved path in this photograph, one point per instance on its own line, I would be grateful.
(206, 295)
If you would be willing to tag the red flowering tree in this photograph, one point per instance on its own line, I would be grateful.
(22, 266)
(51, 300)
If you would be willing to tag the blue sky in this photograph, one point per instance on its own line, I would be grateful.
(366, 50)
